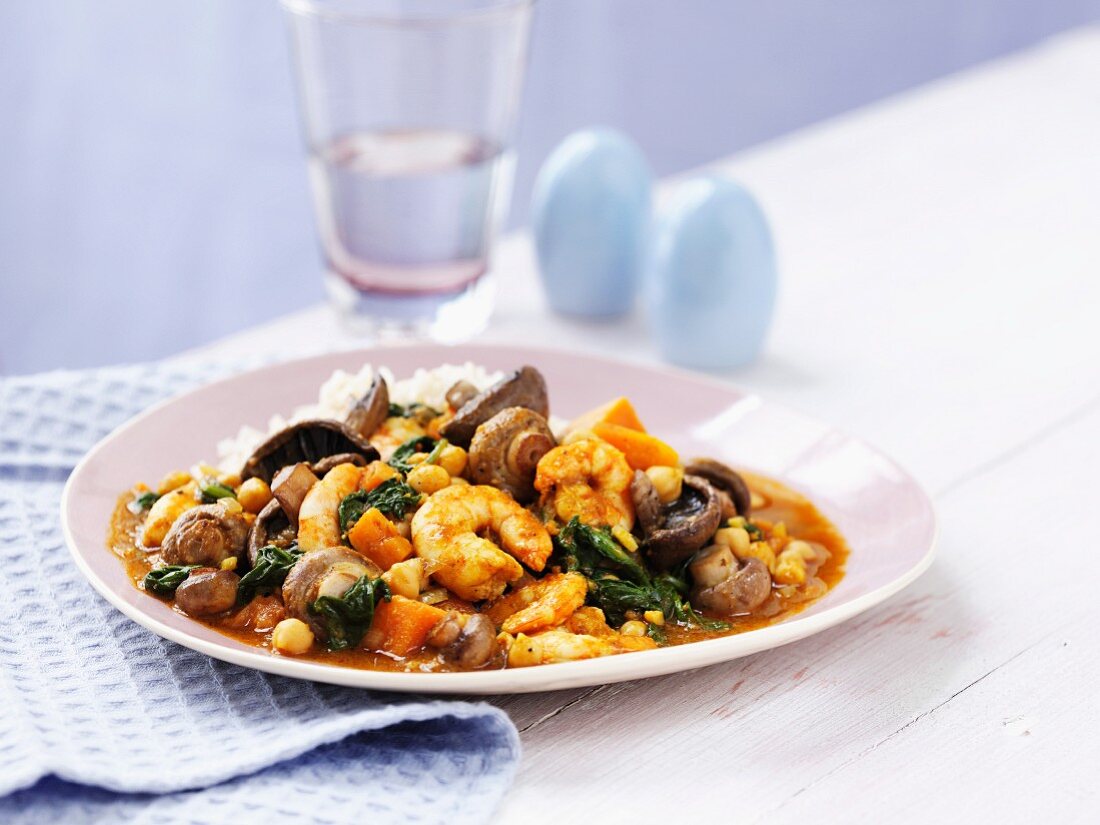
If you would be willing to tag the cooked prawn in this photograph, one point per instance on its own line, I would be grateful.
(448, 529)
(562, 646)
(540, 605)
(589, 479)
(318, 518)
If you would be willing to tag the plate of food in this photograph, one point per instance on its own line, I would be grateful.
(487, 520)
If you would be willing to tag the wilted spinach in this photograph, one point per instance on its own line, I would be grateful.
(392, 497)
(420, 444)
(213, 490)
(142, 502)
(165, 579)
(268, 572)
(346, 618)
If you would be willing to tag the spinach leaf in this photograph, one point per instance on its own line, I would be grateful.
(268, 572)
(421, 413)
(589, 549)
(346, 618)
(420, 444)
(392, 497)
(142, 502)
(213, 490)
(164, 580)
(755, 533)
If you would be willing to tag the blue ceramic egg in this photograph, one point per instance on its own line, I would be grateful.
(590, 215)
(711, 278)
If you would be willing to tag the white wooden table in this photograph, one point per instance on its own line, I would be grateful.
(940, 257)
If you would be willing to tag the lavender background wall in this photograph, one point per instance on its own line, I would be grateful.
(152, 192)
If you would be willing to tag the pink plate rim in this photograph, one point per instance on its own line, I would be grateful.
(89, 551)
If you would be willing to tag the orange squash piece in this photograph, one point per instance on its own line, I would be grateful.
(618, 411)
(375, 537)
(402, 625)
(642, 450)
(374, 474)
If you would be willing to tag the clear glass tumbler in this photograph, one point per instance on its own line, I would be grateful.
(408, 109)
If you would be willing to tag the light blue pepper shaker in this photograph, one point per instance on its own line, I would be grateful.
(590, 216)
(711, 277)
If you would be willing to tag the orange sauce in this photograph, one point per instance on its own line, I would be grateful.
(781, 504)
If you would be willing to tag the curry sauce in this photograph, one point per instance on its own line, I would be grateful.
(252, 624)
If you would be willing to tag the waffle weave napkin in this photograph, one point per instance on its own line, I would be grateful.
(101, 720)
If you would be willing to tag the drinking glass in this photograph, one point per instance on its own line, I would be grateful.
(408, 109)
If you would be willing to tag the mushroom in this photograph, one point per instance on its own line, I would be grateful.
(207, 592)
(524, 388)
(724, 586)
(270, 527)
(460, 393)
(321, 467)
(506, 450)
(683, 525)
(328, 572)
(371, 410)
(306, 441)
(647, 503)
(206, 535)
(727, 480)
(469, 644)
(290, 486)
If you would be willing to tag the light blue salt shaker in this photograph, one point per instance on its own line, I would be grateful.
(590, 216)
(711, 276)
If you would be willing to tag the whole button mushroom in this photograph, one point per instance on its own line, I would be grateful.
(207, 592)
(305, 442)
(506, 449)
(726, 479)
(205, 535)
(678, 529)
(524, 388)
(328, 572)
(722, 585)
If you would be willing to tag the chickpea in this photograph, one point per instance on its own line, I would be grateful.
(405, 578)
(656, 617)
(453, 460)
(292, 636)
(254, 494)
(459, 481)
(735, 538)
(634, 628)
(667, 481)
(428, 478)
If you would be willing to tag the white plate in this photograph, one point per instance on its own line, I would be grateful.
(884, 515)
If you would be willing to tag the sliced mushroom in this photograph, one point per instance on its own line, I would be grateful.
(206, 535)
(207, 592)
(460, 393)
(325, 464)
(724, 586)
(524, 388)
(725, 479)
(506, 450)
(686, 524)
(469, 644)
(371, 410)
(290, 485)
(328, 572)
(647, 503)
(271, 526)
(306, 441)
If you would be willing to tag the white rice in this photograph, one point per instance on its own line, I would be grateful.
(340, 392)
